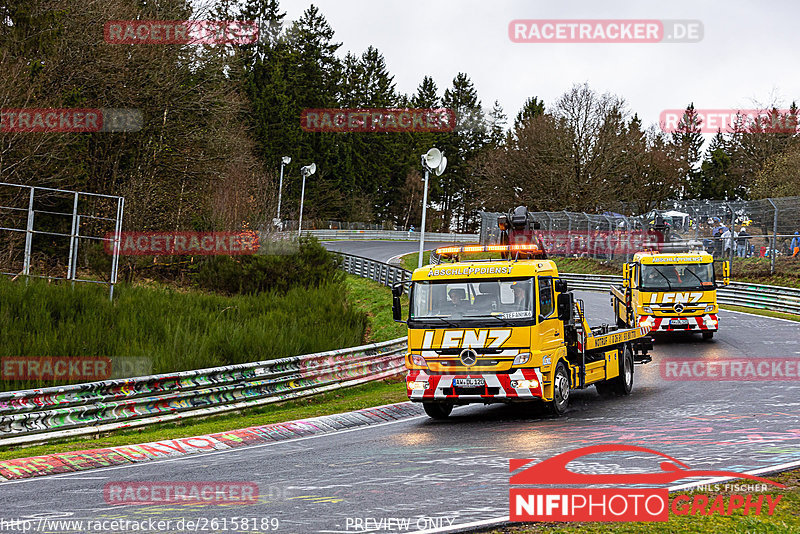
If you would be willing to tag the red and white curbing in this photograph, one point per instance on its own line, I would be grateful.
(66, 462)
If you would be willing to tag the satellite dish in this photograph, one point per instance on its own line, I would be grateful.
(433, 158)
(286, 160)
(442, 166)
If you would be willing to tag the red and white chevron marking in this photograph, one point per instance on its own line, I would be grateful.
(437, 384)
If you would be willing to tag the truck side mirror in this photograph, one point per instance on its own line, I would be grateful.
(564, 306)
(397, 312)
(560, 285)
(726, 273)
(626, 275)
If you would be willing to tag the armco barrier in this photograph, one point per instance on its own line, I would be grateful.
(35, 416)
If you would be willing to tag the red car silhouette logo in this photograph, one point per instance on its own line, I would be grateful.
(554, 470)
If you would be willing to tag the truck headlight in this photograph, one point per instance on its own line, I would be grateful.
(417, 385)
(709, 308)
(525, 384)
(522, 358)
(418, 360)
(647, 309)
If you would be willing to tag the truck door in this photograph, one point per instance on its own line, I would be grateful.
(551, 333)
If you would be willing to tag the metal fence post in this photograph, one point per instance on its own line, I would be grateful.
(774, 238)
(72, 251)
(115, 251)
(26, 269)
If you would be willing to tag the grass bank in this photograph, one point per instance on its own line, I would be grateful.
(175, 329)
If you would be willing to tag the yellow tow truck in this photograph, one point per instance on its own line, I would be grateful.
(670, 292)
(507, 330)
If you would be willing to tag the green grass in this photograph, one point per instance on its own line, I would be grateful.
(759, 311)
(343, 400)
(176, 330)
(756, 271)
(375, 300)
(785, 519)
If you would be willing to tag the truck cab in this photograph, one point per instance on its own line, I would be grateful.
(488, 331)
(674, 292)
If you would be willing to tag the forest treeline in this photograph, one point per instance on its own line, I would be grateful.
(218, 119)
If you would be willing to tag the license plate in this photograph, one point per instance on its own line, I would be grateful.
(469, 382)
(679, 322)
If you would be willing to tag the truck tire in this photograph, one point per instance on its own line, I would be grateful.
(708, 335)
(558, 406)
(437, 410)
(623, 383)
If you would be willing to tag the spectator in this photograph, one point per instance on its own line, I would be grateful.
(795, 244)
(728, 238)
(718, 231)
(743, 243)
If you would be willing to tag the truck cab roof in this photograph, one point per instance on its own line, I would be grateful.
(494, 269)
(650, 258)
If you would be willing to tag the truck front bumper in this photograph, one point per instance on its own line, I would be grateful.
(700, 323)
(518, 385)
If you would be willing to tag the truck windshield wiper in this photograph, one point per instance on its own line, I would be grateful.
(693, 274)
(663, 276)
(445, 321)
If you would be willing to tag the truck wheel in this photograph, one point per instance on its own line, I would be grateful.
(437, 410)
(621, 323)
(623, 384)
(560, 390)
(708, 335)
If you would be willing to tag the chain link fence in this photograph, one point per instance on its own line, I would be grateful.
(760, 237)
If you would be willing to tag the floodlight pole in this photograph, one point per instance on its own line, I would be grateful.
(302, 198)
(424, 207)
(280, 189)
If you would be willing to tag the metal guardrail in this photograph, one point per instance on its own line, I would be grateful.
(392, 235)
(35, 416)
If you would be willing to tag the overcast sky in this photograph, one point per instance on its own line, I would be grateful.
(748, 55)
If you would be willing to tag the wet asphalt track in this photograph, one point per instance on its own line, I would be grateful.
(436, 473)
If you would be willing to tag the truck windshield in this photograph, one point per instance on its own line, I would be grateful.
(677, 276)
(446, 300)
